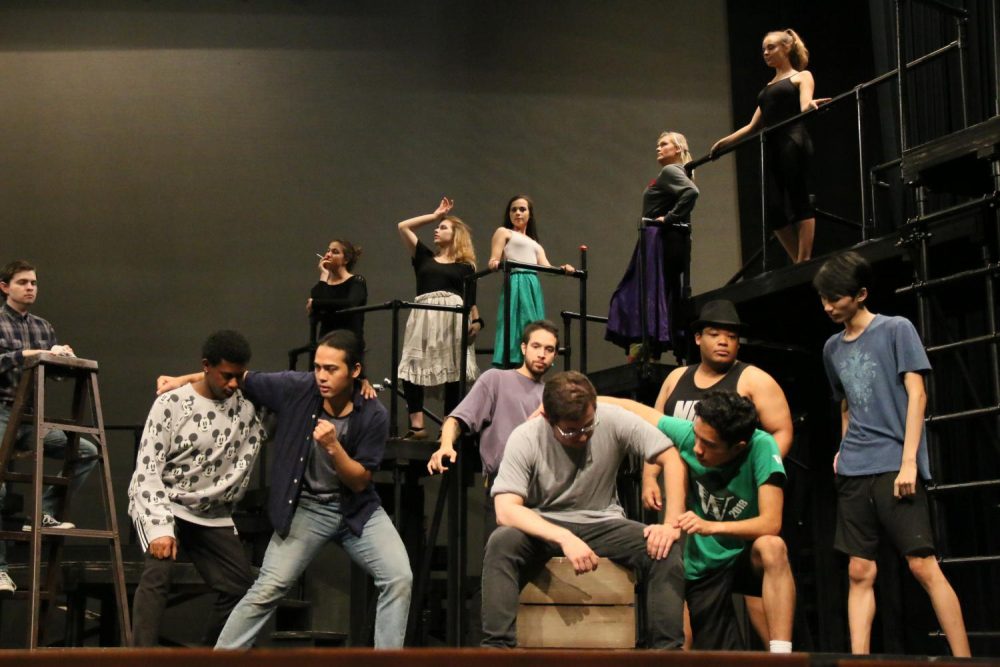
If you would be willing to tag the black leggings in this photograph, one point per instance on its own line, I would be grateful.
(414, 394)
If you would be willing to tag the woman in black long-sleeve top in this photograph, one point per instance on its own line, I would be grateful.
(337, 289)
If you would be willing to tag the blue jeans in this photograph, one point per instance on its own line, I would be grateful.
(55, 447)
(379, 551)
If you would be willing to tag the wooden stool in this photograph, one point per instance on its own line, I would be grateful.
(559, 609)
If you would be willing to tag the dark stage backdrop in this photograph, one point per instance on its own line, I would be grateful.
(172, 167)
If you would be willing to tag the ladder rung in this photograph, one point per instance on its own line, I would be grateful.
(961, 275)
(69, 425)
(965, 414)
(961, 486)
(85, 533)
(989, 338)
(82, 533)
(970, 560)
(974, 634)
(54, 480)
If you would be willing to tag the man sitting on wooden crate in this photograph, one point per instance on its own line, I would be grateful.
(555, 494)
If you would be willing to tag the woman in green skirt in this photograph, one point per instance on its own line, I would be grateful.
(517, 240)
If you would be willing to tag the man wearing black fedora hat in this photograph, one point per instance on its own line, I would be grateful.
(717, 335)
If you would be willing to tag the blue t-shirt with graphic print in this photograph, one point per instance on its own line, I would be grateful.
(868, 371)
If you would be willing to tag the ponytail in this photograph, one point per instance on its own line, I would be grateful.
(798, 54)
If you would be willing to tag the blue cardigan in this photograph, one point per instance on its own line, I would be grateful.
(294, 398)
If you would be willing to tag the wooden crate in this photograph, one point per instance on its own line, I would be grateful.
(559, 609)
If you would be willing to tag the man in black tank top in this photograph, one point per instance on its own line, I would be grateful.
(717, 335)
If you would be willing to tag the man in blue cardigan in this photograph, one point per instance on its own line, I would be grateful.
(328, 441)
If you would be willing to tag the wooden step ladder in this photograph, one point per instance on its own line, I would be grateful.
(29, 404)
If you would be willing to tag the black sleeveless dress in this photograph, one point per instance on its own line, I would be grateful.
(789, 154)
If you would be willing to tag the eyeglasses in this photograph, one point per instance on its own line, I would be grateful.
(577, 432)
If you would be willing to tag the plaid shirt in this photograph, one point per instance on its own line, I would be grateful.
(19, 332)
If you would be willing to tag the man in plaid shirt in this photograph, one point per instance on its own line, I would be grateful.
(23, 335)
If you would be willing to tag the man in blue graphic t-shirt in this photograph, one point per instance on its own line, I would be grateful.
(876, 368)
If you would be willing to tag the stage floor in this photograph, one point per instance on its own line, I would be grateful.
(449, 657)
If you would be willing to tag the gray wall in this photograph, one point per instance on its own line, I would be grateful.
(172, 169)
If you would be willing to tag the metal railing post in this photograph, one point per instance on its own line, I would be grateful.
(763, 202)
(960, 40)
(507, 314)
(394, 372)
(901, 87)
(859, 105)
(567, 347)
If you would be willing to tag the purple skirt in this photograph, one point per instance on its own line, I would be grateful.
(624, 316)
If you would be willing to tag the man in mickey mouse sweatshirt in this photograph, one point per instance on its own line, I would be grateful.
(197, 452)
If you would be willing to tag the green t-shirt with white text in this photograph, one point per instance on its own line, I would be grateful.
(725, 493)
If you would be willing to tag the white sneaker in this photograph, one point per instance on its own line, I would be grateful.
(7, 584)
(49, 521)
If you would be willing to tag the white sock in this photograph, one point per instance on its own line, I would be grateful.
(780, 646)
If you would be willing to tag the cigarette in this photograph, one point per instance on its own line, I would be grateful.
(318, 255)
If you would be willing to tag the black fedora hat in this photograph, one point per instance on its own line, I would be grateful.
(721, 313)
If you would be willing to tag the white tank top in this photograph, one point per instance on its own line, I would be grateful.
(522, 248)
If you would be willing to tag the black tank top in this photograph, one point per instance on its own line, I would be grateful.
(685, 394)
(780, 101)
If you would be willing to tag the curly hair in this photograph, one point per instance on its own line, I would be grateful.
(226, 345)
(733, 417)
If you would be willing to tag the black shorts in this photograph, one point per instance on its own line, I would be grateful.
(866, 509)
(714, 625)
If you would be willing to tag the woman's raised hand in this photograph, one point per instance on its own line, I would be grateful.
(443, 208)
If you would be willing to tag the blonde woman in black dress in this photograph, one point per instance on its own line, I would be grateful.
(789, 150)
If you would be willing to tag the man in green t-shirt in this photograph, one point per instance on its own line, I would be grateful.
(734, 502)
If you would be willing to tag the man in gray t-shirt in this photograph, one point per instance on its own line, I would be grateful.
(555, 495)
